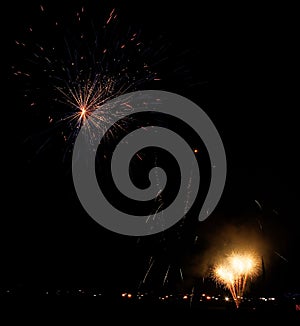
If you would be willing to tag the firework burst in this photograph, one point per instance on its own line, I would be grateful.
(235, 271)
(74, 66)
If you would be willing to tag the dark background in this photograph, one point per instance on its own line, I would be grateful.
(47, 239)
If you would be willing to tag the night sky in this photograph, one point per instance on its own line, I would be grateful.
(49, 241)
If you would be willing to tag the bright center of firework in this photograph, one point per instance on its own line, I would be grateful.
(225, 274)
(86, 97)
(83, 111)
(241, 264)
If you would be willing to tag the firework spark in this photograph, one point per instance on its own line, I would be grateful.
(235, 271)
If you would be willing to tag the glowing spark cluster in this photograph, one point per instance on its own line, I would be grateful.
(235, 271)
(86, 97)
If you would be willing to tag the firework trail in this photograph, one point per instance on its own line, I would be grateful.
(181, 275)
(279, 255)
(166, 275)
(148, 270)
(192, 296)
(258, 204)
